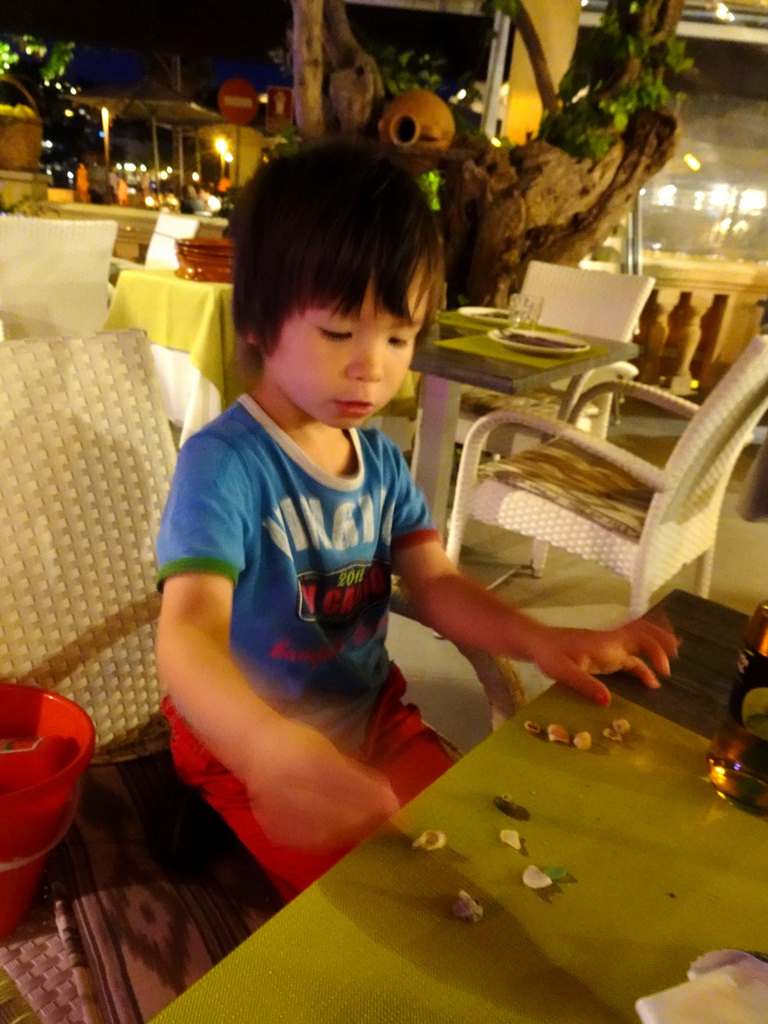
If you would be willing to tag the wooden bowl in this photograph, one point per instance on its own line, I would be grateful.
(204, 259)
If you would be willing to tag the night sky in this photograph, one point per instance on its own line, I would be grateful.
(100, 66)
(238, 37)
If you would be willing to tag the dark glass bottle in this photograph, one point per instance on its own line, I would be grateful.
(738, 753)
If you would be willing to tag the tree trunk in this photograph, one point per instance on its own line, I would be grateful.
(308, 66)
(325, 48)
(502, 207)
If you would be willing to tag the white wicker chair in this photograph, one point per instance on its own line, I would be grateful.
(596, 500)
(54, 275)
(591, 302)
(87, 459)
(161, 251)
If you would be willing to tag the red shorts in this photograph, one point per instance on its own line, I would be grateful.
(397, 743)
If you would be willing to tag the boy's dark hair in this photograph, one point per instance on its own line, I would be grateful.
(315, 228)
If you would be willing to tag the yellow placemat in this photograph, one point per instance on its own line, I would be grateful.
(660, 870)
(483, 345)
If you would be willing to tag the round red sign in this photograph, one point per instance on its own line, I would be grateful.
(238, 101)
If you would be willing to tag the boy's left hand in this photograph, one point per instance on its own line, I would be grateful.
(571, 656)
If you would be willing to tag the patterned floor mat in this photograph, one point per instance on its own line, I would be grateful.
(120, 932)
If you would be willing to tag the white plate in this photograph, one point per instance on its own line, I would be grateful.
(488, 314)
(539, 343)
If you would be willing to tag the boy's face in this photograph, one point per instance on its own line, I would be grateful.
(337, 368)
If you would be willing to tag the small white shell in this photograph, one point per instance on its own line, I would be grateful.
(610, 734)
(432, 839)
(558, 734)
(621, 726)
(532, 727)
(582, 741)
(466, 908)
(534, 878)
(511, 838)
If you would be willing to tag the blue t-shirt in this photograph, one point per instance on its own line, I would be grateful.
(309, 553)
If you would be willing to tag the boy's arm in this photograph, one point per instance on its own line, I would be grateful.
(466, 613)
(303, 791)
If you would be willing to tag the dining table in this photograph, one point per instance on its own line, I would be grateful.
(461, 352)
(189, 324)
(649, 868)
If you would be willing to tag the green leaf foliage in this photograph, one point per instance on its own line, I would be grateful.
(405, 70)
(430, 182)
(58, 59)
(509, 7)
(616, 71)
(8, 57)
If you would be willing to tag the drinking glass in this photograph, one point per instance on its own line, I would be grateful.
(525, 310)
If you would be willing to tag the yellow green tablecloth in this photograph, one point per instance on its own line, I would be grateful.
(662, 871)
(187, 316)
(475, 339)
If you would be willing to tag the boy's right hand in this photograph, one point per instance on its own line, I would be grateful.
(313, 798)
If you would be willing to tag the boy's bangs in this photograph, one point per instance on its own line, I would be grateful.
(318, 228)
(391, 260)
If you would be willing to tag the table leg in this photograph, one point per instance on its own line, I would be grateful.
(434, 443)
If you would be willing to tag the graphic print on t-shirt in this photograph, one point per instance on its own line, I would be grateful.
(335, 599)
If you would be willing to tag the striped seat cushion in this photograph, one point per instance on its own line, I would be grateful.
(479, 401)
(545, 402)
(579, 481)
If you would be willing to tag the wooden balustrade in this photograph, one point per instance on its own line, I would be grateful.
(699, 317)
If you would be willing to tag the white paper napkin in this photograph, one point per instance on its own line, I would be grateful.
(727, 986)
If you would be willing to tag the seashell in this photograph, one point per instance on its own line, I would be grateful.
(609, 733)
(511, 838)
(432, 839)
(506, 804)
(582, 741)
(621, 726)
(558, 734)
(532, 727)
(466, 908)
(534, 878)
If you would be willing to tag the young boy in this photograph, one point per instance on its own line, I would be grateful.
(286, 520)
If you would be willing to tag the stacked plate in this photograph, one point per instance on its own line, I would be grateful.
(204, 259)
